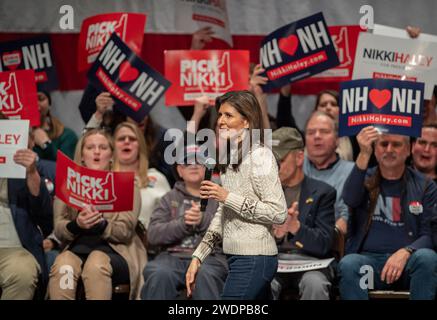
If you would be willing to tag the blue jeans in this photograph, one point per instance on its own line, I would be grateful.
(164, 277)
(419, 275)
(249, 277)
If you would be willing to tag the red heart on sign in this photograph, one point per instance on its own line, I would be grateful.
(127, 72)
(289, 44)
(380, 97)
(12, 60)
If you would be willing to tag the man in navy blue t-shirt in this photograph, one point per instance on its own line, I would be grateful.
(389, 239)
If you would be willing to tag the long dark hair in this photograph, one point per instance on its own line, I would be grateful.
(248, 107)
(332, 93)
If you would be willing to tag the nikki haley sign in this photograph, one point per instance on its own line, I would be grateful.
(297, 51)
(135, 85)
(204, 72)
(392, 106)
(97, 30)
(34, 53)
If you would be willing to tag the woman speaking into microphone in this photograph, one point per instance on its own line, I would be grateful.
(251, 201)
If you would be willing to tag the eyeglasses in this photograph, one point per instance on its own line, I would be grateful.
(129, 138)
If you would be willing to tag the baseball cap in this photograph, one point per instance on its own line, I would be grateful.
(192, 155)
(284, 140)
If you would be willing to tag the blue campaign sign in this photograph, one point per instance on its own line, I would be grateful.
(392, 106)
(34, 53)
(297, 51)
(135, 86)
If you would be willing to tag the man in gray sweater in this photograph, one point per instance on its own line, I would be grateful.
(324, 164)
(177, 226)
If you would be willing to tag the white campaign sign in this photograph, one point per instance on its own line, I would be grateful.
(393, 58)
(14, 135)
(382, 30)
(191, 16)
(287, 266)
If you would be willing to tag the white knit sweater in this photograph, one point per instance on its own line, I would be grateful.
(255, 202)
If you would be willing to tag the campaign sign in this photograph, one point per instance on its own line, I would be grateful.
(297, 51)
(382, 57)
(345, 40)
(79, 186)
(204, 72)
(392, 106)
(18, 97)
(193, 15)
(135, 85)
(36, 54)
(14, 135)
(96, 31)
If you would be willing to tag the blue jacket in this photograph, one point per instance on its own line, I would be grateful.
(29, 213)
(317, 218)
(415, 187)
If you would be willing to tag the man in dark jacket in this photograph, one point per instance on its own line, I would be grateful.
(177, 226)
(389, 244)
(308, 231)
(26, 217)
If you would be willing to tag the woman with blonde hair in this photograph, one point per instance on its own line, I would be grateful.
(101, 248)
(131, 154)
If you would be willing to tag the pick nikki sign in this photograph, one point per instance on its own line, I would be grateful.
(18, 96)
(297, 51)
(79, 186)
(135, 85)
(204, 72)
(392, 106)
(36, 54)
(97, 30)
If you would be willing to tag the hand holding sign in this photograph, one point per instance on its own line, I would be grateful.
(201, 37)
(89, 217)
(104, 102)
(26, 158)
(256, 80)
(201, 105)
(413, 32)
(366, 138)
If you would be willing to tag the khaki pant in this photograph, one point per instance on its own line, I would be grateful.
(96, 276)
(18, 274)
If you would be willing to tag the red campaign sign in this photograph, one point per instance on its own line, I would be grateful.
(194, 73)
(18, 97)
(78, 186)
(345, 40)
(96, 31)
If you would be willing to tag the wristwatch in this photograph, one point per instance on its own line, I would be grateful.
(45, 144)
(410, 249)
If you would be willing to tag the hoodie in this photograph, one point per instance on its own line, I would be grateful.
(167, 228)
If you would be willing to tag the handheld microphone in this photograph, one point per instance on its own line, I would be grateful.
(209, 164)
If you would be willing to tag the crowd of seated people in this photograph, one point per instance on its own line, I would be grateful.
(377, 190)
